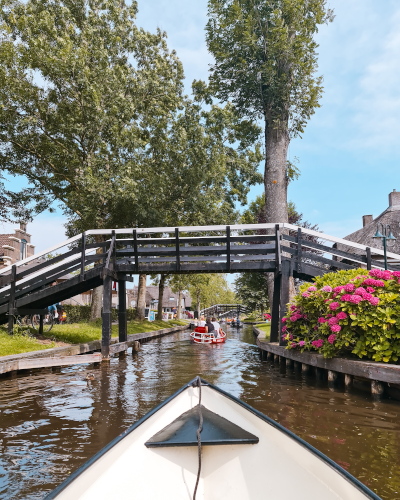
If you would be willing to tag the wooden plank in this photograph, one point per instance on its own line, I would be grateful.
(228, 249)
(177, 251)
(28, 364)
(119, 347)
(25, 272)
(317, 258)
(373, 371)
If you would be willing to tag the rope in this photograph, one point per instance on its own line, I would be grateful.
(198, 383)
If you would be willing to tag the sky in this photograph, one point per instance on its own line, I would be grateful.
(349, 154)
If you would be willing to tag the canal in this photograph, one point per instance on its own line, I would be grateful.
(52, 422)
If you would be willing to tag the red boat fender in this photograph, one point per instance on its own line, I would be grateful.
(200, 329)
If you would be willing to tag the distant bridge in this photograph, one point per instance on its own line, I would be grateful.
(29, 286)
(223, 310)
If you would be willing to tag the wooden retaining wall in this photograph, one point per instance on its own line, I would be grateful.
(382, 377)
(76, 354)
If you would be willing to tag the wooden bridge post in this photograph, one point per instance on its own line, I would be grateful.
(122, 320)
(11, 300)
(285, 295)
(274, 335)
(368, 252)
(83, 256)
(106, 318)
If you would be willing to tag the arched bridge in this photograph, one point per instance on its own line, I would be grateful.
(98, 257)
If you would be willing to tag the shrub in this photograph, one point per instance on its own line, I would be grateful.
(81, 314)
(354, 311)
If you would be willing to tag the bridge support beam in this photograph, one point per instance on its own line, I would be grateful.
(122, 320)
(285, 295)
(106, 318)
(275, 327)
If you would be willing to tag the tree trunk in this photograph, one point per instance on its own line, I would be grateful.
(275, 183)
(178, 313)
(141, 301)
(97, 302)
(97, 295)
(161, 287)
(198, 304)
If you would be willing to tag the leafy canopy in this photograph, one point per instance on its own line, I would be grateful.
(265, 57)
(94, 117)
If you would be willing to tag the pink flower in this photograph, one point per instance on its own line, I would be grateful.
(284, 320)
(317, 343)
(327, 289)
(316, 327)
(293, 344)
(349, 287)
(355, 299)
(305, 294)
(360, 291)
(333, 306)
(367, 296)
(299, 316)
(336, 328)
(302, 343)
(284, 329)
(329, 315)
(396, 274)
(341, 315)
(322, 320)
(312, 288)
(332, 338)
(375, 272)
(379, 283)
(346, 297)
(370, 289)
(338, 289)
(305, 316)
(370, 282)
(333, 321)
(293, 307)
(374, 301)
(334, 295)
(387, 275)
(293, 318)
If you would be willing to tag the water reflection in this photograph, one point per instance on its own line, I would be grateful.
(52, 422)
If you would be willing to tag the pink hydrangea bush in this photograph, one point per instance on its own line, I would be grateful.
(348, 312)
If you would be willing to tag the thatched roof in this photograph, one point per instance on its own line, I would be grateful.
(365, 235)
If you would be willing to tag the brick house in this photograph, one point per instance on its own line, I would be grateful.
(15, 247)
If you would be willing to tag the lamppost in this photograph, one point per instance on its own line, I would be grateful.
(387, 237)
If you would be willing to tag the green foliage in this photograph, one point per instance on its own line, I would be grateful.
(367, 327)
(93, 115)
(266, 59)
(81, 314)
(252, 290)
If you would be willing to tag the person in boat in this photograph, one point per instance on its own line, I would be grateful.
(202, 322)
(210, 327)
(217, 327)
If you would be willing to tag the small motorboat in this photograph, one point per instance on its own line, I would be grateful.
(204, 444)
(199, 336)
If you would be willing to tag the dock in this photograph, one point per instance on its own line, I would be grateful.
(78, 353)
(380, 378)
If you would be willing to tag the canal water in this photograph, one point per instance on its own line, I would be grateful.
(52, 422)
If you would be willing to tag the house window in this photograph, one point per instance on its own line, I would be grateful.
(23, 249)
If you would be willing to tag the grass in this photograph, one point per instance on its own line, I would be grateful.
(266, 327)
(78, 333)
(75, 333)
(19, 343)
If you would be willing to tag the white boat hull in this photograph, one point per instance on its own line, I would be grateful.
(279, 466)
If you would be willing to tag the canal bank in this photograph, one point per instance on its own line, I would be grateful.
(52, 422)
(378, 378)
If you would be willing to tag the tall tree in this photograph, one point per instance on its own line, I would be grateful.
(94, 117)
(266, 65)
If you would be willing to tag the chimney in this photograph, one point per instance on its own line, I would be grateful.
(394, 198)
(22, 226)
(367, 219)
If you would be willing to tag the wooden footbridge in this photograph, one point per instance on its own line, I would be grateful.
(99, 257)
(223, 310)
